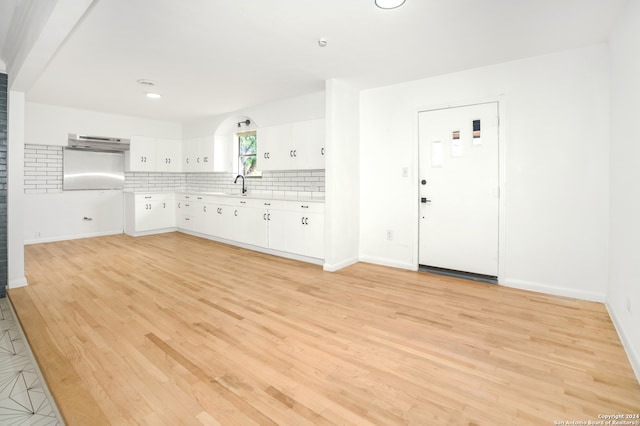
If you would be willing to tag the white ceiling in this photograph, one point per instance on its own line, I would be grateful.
(210, 56)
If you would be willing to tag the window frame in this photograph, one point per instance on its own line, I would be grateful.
(241, 157)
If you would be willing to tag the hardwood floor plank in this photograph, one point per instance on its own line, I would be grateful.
(173, 329)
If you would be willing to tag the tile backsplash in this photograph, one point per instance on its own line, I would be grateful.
(43, 174)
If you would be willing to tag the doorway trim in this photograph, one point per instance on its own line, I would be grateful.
(415, 189)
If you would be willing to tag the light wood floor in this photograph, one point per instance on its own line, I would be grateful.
(172, 329)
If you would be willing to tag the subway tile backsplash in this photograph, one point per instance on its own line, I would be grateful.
(43, 174)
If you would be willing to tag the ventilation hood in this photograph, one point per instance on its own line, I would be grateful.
(97, 143)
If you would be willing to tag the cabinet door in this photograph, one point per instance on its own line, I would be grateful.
(307, 239)
(204, 157)
(249, 225)
(275, 149)
(168, 155)
(189, 153)
(219, 221)
(308, 142)
(141, 156)
(278, 224)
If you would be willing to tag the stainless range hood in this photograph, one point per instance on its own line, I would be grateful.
(97, 143)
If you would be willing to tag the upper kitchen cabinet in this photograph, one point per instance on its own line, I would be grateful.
(197, 155)
(293, 146)
(153, 155)
(308, 143)
(168, 155)
(141, 156)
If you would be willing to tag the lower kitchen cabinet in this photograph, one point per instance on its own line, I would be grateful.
(293, 227)
(148, 212)
(299, 229)
(249, 225)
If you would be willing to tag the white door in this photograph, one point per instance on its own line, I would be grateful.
(459, 188)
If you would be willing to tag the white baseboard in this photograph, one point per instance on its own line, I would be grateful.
(337, 266)
(17, 282)
(632, 354)
(72, 237)
(387, 262)
(556, 291)
(265, 250)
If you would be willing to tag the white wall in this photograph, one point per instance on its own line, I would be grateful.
(623, 295)
(51, 124)
(556, 171)
(61, 216)
(342, 204)
(300, 108)
(50, 217)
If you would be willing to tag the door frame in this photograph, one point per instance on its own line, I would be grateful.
(415, 189)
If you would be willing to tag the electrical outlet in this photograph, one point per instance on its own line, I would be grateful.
(629, 305)
(389, 235)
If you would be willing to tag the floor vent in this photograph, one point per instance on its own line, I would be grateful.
(489, 279)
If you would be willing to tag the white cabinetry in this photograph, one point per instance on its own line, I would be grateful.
(298, 229)
(294, 146)
(149, 212)
(197, 155)
(168, 155)
(295, 227)
(153, 155)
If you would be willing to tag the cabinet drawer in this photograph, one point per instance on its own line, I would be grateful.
(305, 206)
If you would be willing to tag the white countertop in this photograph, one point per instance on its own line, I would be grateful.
(260, 196)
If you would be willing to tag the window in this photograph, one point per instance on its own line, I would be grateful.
(247, 154)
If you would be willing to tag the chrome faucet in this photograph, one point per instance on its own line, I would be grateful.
(244, 189)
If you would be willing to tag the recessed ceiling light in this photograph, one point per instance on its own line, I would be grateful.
(146, 82)
(389, 4)
(322, 42)
(151, 95)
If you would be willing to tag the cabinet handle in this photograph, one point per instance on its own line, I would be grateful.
(187, 161)
(322, 151)
(198, 160)
(302, 221)
(147, 197)
(167, 161)
(264, 216)
(199, 198)
(267, 204)
(186, 218)
(147, 206)
(204, 208)
(178, 205)
(291, 153)
(235, 213)
(187, 205)
(205, 159)
(243, 202)
(164, 205)
(304, 207)
(268, 216)
(187, 197)
(268, 155)
(306, 220)
(87, 218)
(295, 153)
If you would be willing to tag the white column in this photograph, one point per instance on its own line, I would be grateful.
(15, 190)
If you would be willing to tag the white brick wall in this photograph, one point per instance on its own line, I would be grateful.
(42, 169)
(43, 173)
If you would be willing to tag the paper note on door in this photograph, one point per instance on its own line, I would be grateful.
(477, 140)
(436, 154)
(456, 144)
